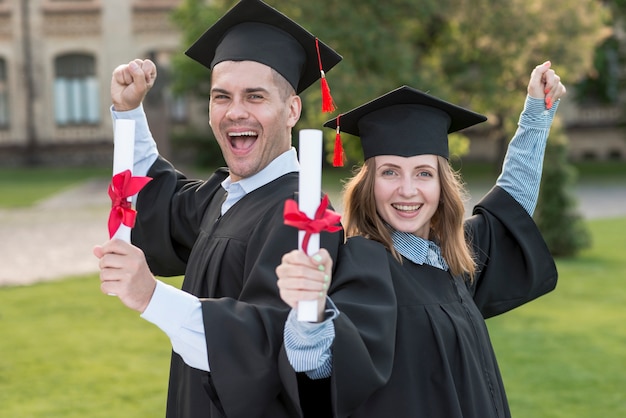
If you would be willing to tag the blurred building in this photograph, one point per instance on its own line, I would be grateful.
(56, 60)
(595, 132)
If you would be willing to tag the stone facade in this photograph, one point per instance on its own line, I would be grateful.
(39, 41)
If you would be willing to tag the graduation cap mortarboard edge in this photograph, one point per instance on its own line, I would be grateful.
(404, 122)
(254, 31)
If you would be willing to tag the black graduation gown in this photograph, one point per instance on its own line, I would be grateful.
(231, 260)
(444, 364)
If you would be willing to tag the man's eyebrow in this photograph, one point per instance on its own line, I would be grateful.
(247, 90)
(256, 90)
(218, 90)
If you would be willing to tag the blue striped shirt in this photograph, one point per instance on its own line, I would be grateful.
(308, 345)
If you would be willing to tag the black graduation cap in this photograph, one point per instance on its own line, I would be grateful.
(254, 31)
(405, 122)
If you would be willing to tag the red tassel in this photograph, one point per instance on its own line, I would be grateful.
(327, 100)
(338, 155)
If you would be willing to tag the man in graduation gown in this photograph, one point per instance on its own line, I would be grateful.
(225, 234)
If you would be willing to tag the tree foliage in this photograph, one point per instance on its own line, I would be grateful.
(606, 80)
(476, 53)
(562, 227)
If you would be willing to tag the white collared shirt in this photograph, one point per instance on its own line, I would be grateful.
(174, 311)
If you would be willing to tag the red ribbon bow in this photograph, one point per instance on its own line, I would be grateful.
(325, 220)
(123, 185)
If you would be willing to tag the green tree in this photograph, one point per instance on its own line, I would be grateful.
(606, 80)
(562, 227)
(477, 53)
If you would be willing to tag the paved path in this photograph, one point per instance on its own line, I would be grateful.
(54, 239)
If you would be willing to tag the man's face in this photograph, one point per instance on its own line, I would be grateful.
(251, 121)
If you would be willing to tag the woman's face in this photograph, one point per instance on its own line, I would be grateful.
(407, 191)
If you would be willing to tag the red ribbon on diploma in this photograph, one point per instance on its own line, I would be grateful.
(325, 220)
(123, 185)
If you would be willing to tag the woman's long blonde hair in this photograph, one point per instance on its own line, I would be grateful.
(361, 218)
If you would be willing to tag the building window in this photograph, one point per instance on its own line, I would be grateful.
(76, 96)
(178, 109)
(4, 95)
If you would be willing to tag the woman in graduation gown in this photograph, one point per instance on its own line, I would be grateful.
(449, 274)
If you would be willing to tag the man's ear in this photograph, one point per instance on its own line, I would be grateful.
(295, 109)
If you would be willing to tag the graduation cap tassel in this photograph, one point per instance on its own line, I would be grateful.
(327, 100)
(338, 154)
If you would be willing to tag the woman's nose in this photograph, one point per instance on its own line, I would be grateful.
(408, 187)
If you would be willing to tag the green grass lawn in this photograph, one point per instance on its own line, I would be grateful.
(21, 187)
(69, 351)
(564, 355)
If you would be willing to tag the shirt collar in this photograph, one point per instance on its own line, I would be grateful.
(287, 162)
(418, 250)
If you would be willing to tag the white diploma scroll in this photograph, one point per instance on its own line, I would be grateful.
(123, 150)
(309, 190)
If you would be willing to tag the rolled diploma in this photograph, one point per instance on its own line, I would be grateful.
(123, 153)
(309, 191)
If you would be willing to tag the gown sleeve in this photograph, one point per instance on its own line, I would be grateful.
(365, 329)
(514, 263)
(169, 212)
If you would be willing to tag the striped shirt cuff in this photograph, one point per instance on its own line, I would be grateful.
(308, 344)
